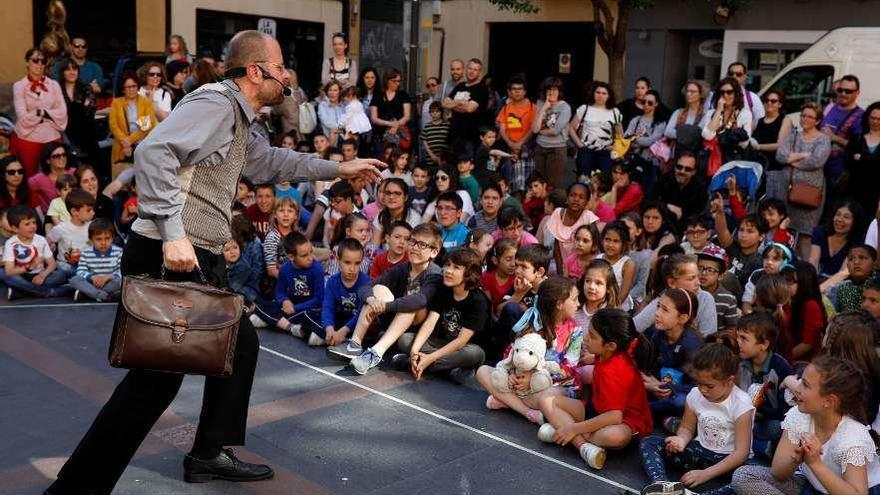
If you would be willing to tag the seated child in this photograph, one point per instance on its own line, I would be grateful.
(512, 225)
(57, 211)
(341, 301)
(552, 318)
(466, 179)
(341, 197)
(98, 273)
(761, 372)
(487, 217)
(675, 343)
(284, 220)
(449, 205)
(617, 410)
(481, 241)
(615, 240)
(871, 297)
(28, 264)
(497, 281)
(531, 263)
(775, 255)
(586, 247)
(847, 294)
(681, 271)
(775, 213)
(536, 196)
(241, 276)
(744, 251)
(352, 226)
(457, 315)
(412, 284)
(70, 237)
(712, 262)
(825, 446)
(419, 191)
(396, 241)
(299, 291)
(715, 434)
(698, 230)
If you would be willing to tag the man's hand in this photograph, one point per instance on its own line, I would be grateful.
(368, 168)
(179, 255)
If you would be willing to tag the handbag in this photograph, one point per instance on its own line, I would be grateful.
(177, 327)
(308, 118)
(802, 195)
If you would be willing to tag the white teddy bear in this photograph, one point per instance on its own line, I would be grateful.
(527, 355)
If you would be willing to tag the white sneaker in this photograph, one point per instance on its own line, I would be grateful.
(257, 322)
(665, 488)
(76, 296)
(315, 340)
(546, 433)
(296, 331)
(593, 456)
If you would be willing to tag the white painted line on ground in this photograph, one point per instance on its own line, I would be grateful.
(450, 420)
(62, 305)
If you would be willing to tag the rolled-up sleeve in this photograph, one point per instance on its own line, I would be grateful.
(185, 137)
(270, 165)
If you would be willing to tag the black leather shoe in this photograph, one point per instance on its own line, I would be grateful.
(223, 467)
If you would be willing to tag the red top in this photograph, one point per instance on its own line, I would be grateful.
(630, 200)
(495, 290)
(618, 386)
(534, 209)
(812, 324)
(381, 264)
(262, 222)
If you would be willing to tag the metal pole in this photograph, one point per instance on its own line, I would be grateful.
(414, 52)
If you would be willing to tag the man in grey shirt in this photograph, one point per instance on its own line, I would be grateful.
(187, 172)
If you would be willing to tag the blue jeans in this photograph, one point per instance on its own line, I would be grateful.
(111, 288)
(694, 456)
(53, 286)
(765, 437)
(588, 160)
(670, 406)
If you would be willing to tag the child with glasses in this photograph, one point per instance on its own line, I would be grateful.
(711, 263)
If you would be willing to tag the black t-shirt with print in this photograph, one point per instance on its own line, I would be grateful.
(472, 313)
(467, 125)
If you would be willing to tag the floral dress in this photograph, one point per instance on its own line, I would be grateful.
(566, 351)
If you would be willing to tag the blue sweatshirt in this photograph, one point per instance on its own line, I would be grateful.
(304, 287)
(342, 304)
(243, 279)
(672, 360)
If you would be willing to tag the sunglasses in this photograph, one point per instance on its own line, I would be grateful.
(154, 74)
(726, 91)
(845, 91)
(736, 74)
(441, 177)
(650, 103)
(38, 60)
(15, 171)
(81, 46)
(771, 100)
(58, 155)
(682, 168)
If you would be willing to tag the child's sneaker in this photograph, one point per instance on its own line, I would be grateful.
(592, 455)
(257, 322)
(315, 340)
(546, 433)
(494, 404)
(368, 360)
(296, 331)
(535, 416)
(664, 488)
(9, 294)
(400, 362)
(346, 350)
(76, 296)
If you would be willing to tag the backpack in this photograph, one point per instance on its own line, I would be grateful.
(308, 118)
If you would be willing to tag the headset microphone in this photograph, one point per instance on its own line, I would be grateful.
(241, 71)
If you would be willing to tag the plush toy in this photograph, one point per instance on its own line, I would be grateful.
(527, 355)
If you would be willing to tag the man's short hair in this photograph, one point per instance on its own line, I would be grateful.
(271, 187)
(101, 226)
(853, 79)
(737, 63)
(475, 60)
(351, 142)
(517, 79)
(451, 197)
(535, 254)
(78, 198)
(292, 241)
(349, 244)
(247, 47)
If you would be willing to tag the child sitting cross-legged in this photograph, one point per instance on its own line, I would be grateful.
(299, 291)
(397, 300)
(456, 315)
(28, 264)
(98, 272)
(551, 317)
(71, 236)
(341, 301)
(617, 410)
(715, 434)
(847, 294)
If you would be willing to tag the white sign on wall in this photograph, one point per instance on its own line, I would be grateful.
(267, 26)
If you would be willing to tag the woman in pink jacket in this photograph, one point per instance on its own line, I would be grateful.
(40, 111)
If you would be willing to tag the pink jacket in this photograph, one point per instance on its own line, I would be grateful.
(28, 125)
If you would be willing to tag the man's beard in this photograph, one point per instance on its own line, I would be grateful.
(271, 96)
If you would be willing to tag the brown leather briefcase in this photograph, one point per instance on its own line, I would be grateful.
(178, 327)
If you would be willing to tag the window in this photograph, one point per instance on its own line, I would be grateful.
(803, 84)
(765, 62)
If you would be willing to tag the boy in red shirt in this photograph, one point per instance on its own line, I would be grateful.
(535, 198)
(396, 252)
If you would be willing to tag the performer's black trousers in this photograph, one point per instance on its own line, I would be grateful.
(142, 396)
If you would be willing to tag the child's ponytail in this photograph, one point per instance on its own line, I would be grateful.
(617, 326)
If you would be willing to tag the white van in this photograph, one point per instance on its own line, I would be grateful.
(840, 52)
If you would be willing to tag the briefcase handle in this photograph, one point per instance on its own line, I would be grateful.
(197, 270)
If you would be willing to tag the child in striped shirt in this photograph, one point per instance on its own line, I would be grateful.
(98, 273)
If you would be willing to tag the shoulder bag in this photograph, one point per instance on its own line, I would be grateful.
(801, 194)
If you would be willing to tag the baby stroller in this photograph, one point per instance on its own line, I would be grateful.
(748, 175)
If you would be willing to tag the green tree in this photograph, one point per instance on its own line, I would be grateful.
(611, 30)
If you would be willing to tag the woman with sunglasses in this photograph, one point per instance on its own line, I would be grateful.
(152, 75)
(15, 190)
(40, 111)
(81, 105)
(340, 67)
(730, 121)
(131, 119)
(804, 154)
(772, 129)
(446, 179)
(645, 130)
(53, 164)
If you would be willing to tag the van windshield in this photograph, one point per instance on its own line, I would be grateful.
(803, 84)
